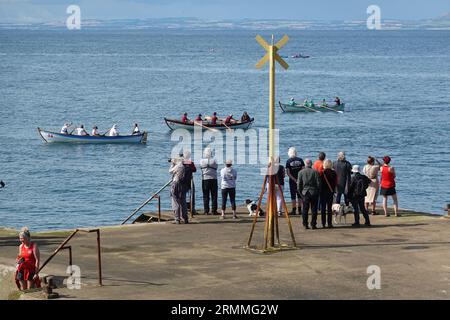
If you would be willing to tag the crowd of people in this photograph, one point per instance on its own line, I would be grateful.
(313, 186)
(81, 131)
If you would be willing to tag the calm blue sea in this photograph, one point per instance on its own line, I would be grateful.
(396, 84)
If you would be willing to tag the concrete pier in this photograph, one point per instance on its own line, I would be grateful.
(206, 260)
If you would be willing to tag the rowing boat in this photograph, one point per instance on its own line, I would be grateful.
(177, 124)
(317, 108)
(55, 137)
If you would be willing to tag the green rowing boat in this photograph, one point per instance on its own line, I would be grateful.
(285, 107)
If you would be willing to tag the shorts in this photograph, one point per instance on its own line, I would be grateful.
(293, 190)
(388, 191)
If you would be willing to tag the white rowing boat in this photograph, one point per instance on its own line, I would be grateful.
(52, 137)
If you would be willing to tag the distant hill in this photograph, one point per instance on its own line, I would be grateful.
(187, 23)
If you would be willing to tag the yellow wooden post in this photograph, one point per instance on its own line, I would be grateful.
(271, 223)
(271, 101)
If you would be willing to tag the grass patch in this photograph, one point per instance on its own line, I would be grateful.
(15, 295)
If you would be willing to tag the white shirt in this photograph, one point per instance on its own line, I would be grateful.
(228, 178)
(64, 129)
(136, 130)
(113, 132)
(94, 132)
(80, 132)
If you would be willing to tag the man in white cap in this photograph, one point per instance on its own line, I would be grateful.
(357, 193)
(65, 128)
(292, 102)
(228, 177)
(209, 181)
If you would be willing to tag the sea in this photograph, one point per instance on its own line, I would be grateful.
(395, 85)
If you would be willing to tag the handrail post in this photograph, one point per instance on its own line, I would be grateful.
(147, 201)
(191, 199)
(99, 258)
(58, 249)
(159, 208)
(63, 246)
(70, 254)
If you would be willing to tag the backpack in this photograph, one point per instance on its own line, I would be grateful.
(360, 187)
(187, 176)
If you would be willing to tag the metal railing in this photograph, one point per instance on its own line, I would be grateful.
(63, 246)
(154, 196)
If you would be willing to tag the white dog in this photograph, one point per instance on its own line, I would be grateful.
(251, 207)
(338, 211)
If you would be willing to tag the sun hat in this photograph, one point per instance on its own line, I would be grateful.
(355, 168)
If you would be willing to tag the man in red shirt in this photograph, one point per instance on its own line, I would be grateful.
(228, 119)
(214, 119)
(318, 165)
(199, 118)
(184, 118)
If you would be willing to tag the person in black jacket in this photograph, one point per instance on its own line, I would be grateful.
(329, 179)
(357, 194)
(343, 170)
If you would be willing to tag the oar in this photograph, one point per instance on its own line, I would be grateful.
(311, 109)
(223, 122)
(338, 111)
(103, 135)
(202, 125)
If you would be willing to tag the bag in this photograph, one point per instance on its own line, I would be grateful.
(328, 183)
(187, 176)
(360, 187)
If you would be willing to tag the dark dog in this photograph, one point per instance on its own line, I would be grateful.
(251, 207)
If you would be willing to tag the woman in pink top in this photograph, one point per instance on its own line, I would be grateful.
(388, 185)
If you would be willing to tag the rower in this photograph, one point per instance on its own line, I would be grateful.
(292, 102)
(184, 118)
(324, 103)
(65, 128)
(338, 101)
(136, 129)
(113, 131)
(245, 117)
(95, 131)
(229, 119)
(214, 119)
(199, 118)
(81, 131)
(306, 103)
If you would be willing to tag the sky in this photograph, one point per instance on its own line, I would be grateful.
(27, 11)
